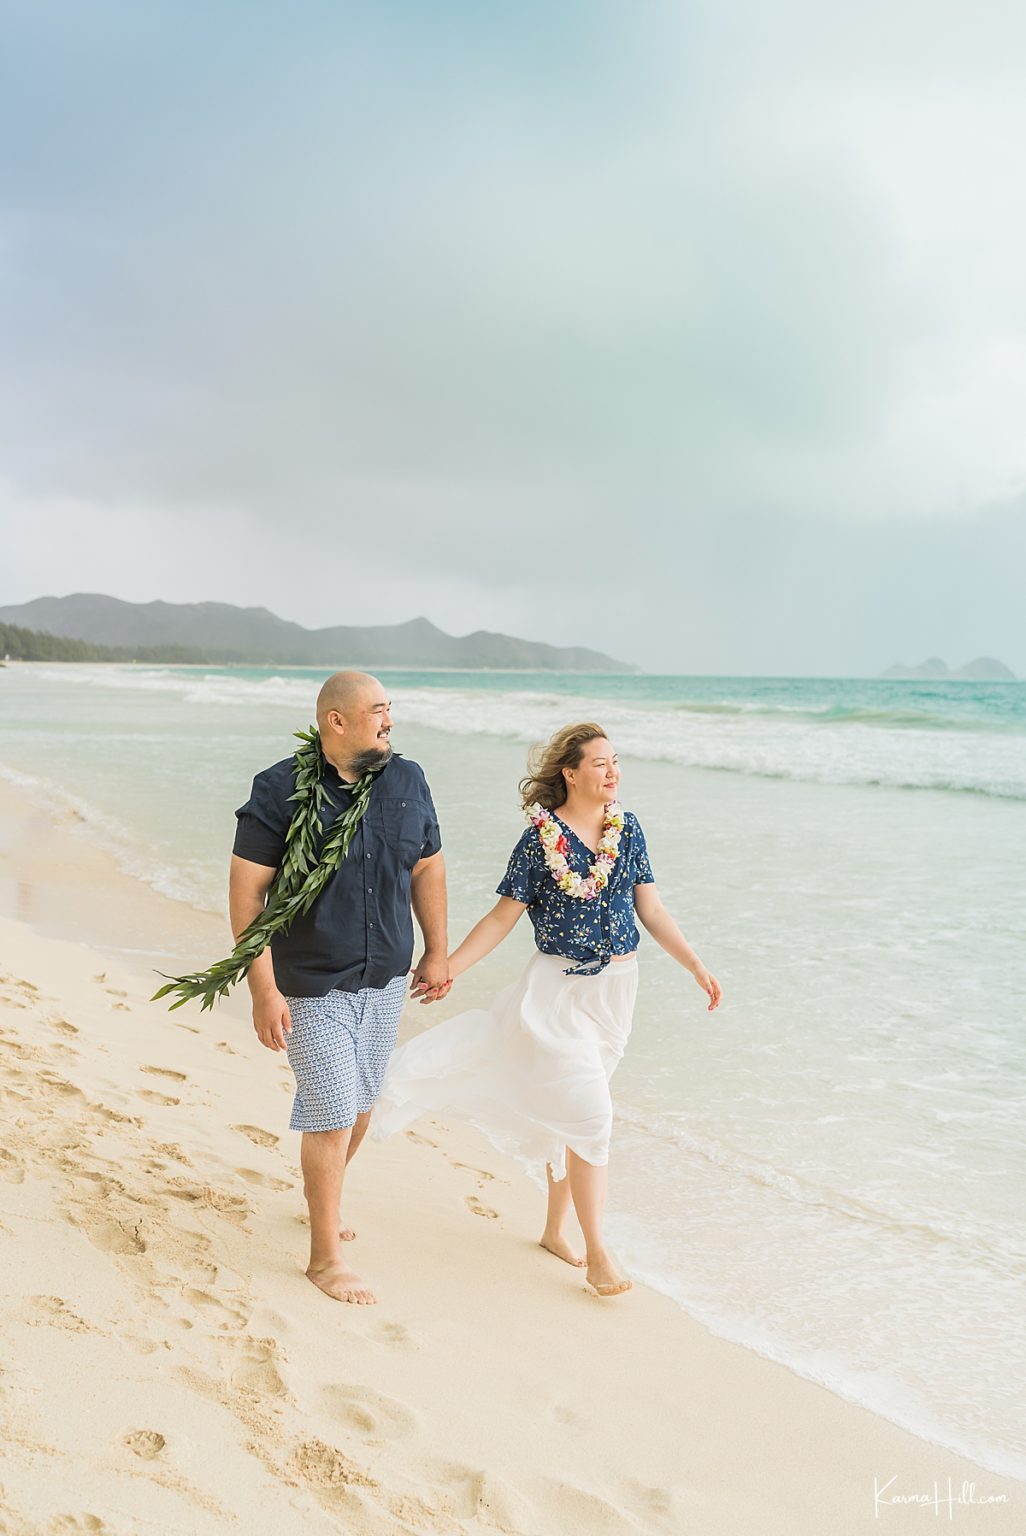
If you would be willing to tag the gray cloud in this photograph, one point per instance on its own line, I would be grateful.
(687, 336)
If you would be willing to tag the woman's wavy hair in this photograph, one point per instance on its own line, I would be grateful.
(546, 761)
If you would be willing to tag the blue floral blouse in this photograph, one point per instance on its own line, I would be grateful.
(588, 931)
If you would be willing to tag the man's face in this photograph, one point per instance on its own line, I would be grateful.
(367, 727)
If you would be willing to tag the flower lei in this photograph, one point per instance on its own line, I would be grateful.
(297, 884)
(556, 846)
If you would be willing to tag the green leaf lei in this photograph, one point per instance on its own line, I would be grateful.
(298, 882)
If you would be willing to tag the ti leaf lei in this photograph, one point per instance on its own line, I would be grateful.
(297, 884)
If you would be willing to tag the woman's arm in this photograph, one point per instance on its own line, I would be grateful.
(485, 935)
(649, 906)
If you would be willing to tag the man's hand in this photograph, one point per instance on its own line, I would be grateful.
(431, 978)
(271, 1020)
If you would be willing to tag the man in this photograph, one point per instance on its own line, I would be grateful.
(329, 989)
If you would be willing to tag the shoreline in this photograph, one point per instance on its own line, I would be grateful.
(631, 671)
(319, 1408)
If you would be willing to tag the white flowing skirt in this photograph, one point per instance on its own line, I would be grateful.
(532, 1071)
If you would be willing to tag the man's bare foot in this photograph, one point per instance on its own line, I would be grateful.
(555, 1242)
(605, 1279)
(341, 1283)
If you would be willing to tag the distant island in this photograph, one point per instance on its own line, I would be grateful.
(89, 626)
(985, 669)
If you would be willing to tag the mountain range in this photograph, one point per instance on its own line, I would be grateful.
(222, 633)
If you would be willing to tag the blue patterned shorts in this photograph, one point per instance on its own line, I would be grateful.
(338, 1048)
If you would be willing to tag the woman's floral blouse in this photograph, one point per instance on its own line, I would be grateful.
(588, 931)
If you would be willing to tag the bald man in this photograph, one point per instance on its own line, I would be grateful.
(330, 989)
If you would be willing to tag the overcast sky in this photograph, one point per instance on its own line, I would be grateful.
(695, 332)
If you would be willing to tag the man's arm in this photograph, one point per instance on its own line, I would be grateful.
(248, 884)
(429, 907)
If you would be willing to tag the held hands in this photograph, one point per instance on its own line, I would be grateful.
(708, 983)
(431, 978)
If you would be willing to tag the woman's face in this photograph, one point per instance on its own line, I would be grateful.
(597, 775)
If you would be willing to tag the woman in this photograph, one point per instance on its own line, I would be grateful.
(532, 1072)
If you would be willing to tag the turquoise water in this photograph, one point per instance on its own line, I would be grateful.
(926, 704)
(830, 1168)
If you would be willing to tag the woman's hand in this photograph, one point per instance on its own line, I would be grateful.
(708, 983)
(432, 994)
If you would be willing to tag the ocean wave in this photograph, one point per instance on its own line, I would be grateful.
(894, 719)
(829, 744)
(990, 1246)
(856, 753)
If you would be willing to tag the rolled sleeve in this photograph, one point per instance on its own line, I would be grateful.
(431, 832)
(261, 827)
(641, 866)
(521, 878)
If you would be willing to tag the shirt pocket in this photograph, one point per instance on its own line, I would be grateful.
(402, 825)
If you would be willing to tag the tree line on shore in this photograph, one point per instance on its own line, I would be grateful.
(17, 644)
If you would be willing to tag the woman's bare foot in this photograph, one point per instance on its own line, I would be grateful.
(341, 1283)
(555, 1242)
(605, 1279)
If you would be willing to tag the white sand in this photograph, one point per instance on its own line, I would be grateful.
(168, 1368)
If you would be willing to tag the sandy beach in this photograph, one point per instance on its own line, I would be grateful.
(168, 1368)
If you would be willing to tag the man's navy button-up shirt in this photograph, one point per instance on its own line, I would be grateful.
(359, 931)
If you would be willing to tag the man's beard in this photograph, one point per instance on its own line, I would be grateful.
(374, 757)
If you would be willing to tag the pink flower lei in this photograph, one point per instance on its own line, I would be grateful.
(556, 846)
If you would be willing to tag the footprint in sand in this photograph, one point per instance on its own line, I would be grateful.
(11, 1167)
(111, 1236)
(369, 1413)
(72, 1525)
(564, 1415)
(258, 1137)
(115, 992)
(478, 1495)
(397, 1335)
(147, 1444)
(57, 1084)
(54, 1312)
(214, 1308)
(63, 1027)
(574, 1508)
(169, 1072)
(473, 1204)
(482, 1173)
(421, 1141)
(322, 1467)
(232, 1207)
(114, 1116)
(222, 1045)
(659, 1503)
(155, 1098)
(192, 1030)
(171, 1149)
(256, 1367)
(263, 1180)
